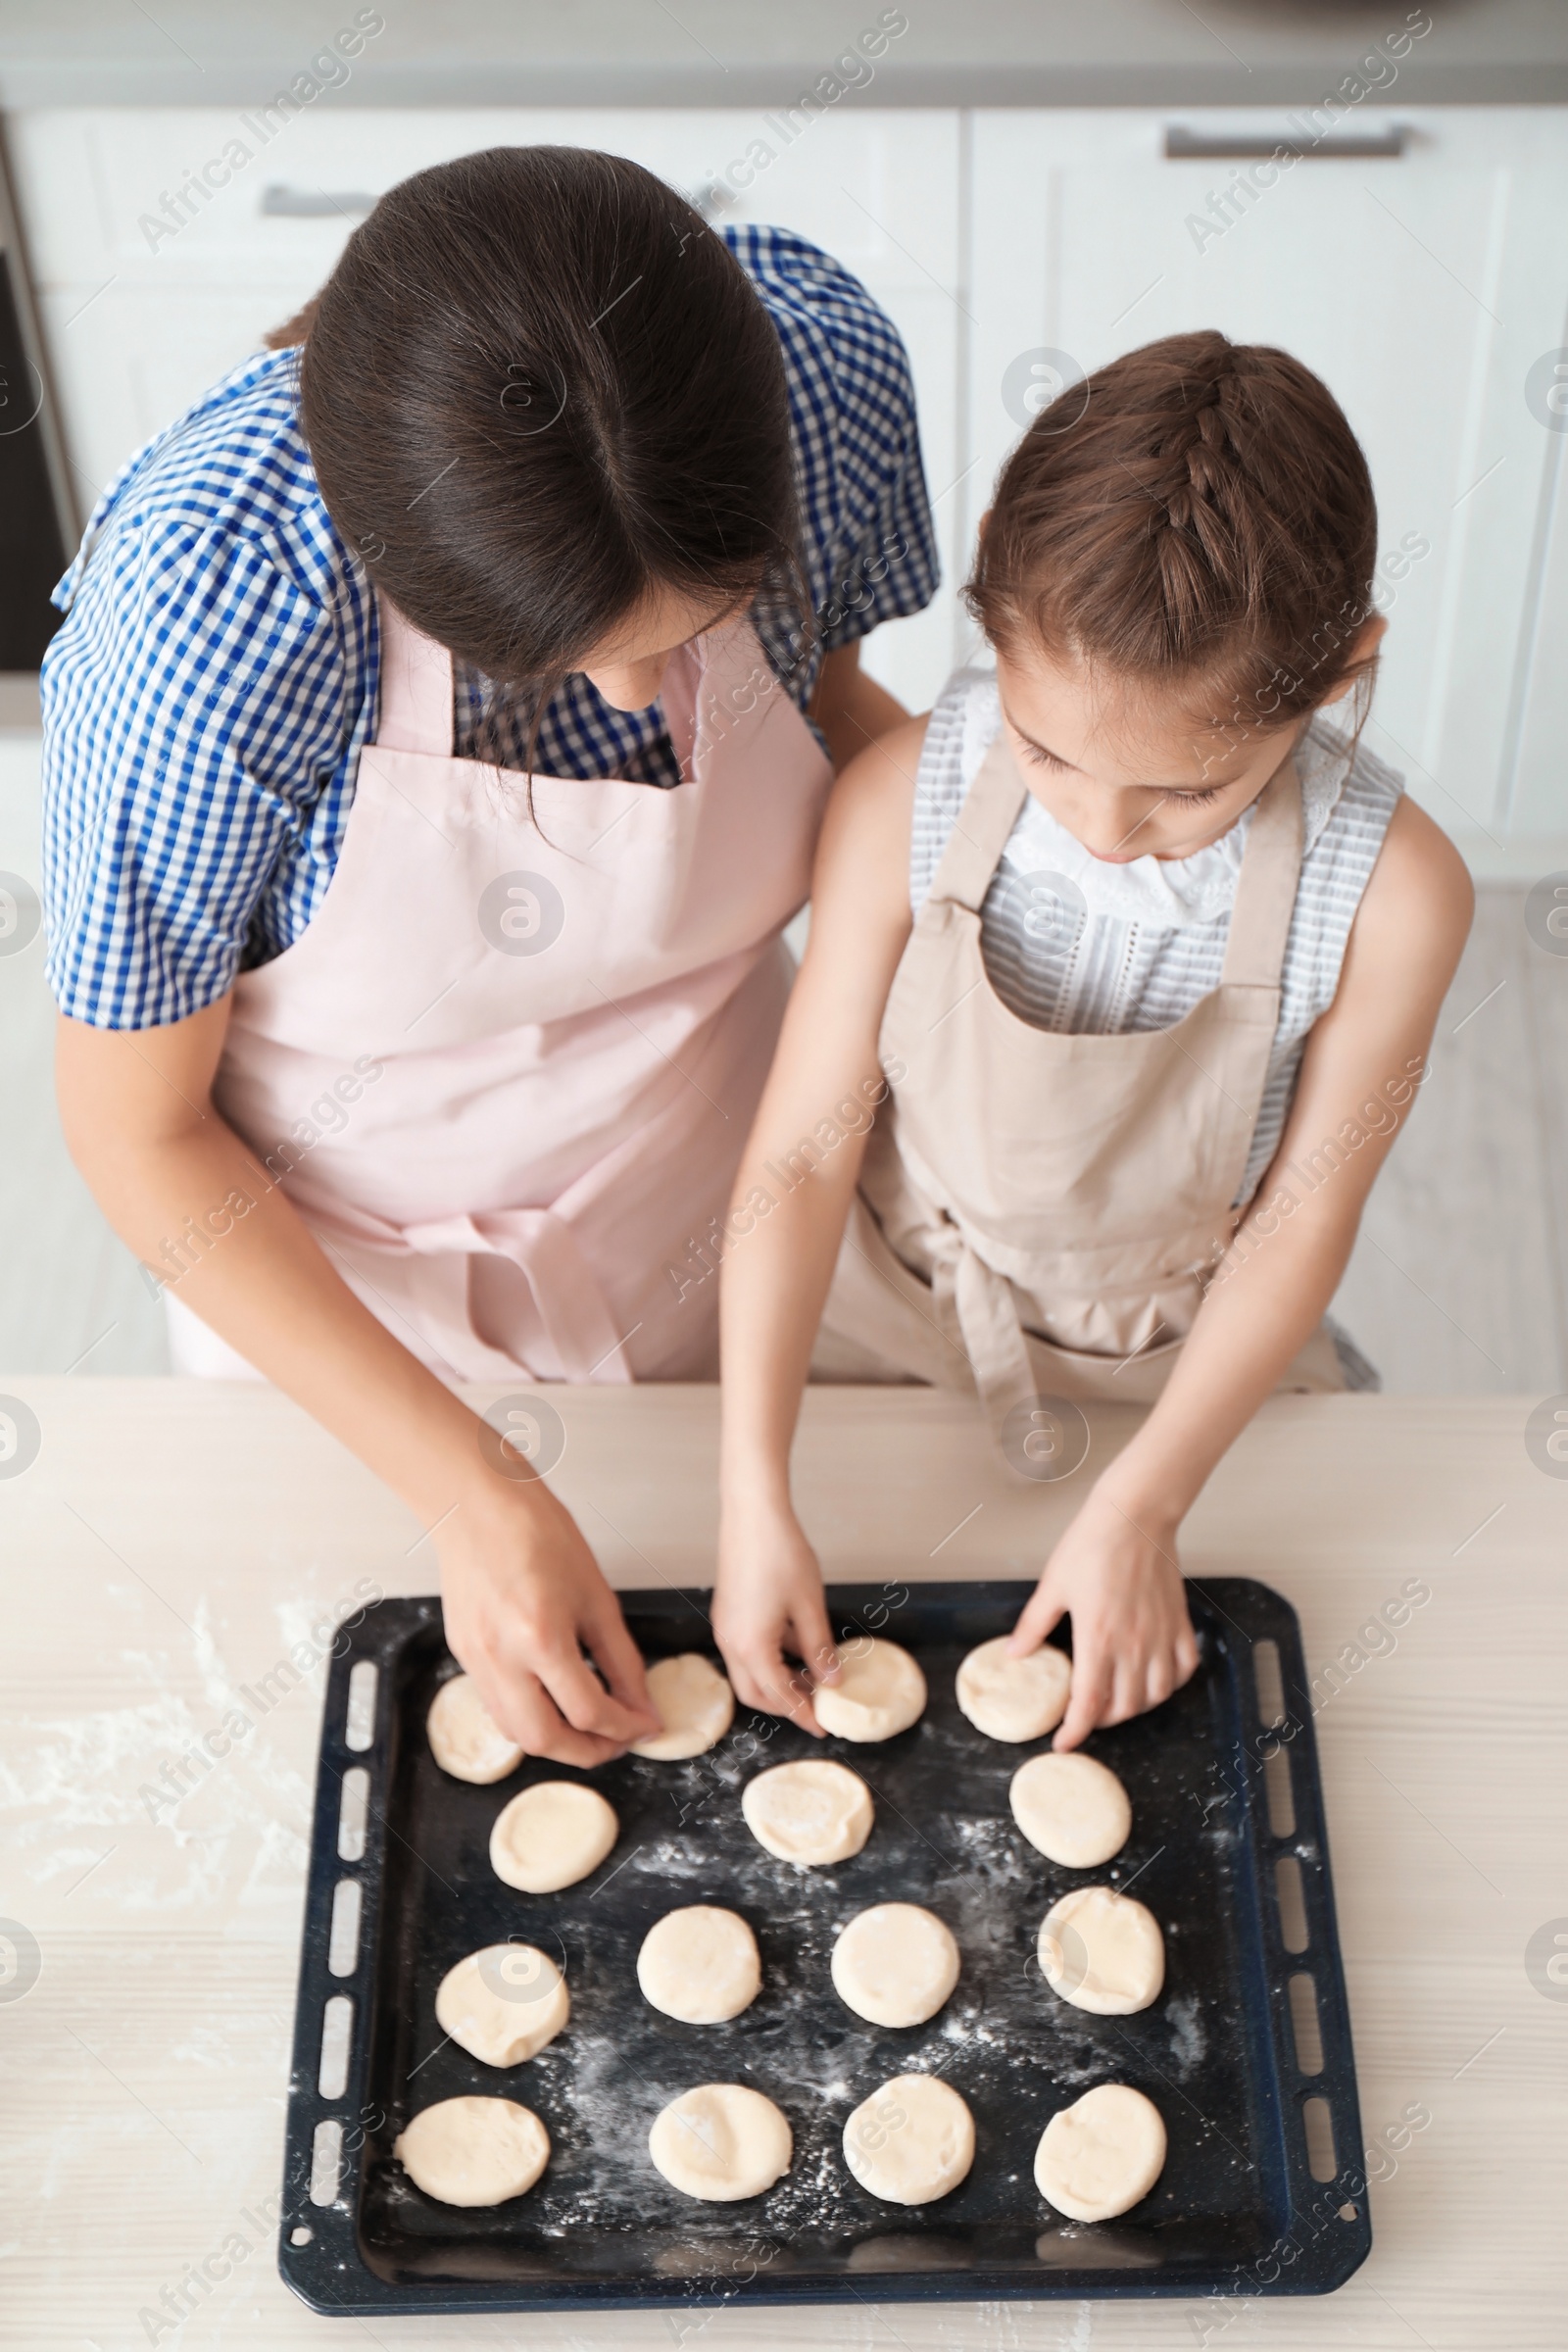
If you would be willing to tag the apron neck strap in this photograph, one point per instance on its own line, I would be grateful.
(416, 712)
(1267, 886)
(984, 825)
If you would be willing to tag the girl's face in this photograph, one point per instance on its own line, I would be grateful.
(1128, 776)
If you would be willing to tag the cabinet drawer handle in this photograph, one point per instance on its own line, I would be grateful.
(1226, 146)
(314, 204)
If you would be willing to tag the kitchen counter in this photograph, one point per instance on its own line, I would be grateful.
(173, 1540)
(716, 53)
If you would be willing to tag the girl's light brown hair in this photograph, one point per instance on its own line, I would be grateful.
(1198, 518)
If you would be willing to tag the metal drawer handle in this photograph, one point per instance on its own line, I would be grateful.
(314, 204)
(1237, 146)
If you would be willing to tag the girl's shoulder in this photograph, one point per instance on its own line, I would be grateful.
(1349, 795)
(959, 729)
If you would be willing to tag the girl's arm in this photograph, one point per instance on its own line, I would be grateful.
(523, 1595)
(792, 1197)
(1115, 1570)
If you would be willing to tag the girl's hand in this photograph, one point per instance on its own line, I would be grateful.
(523, 1597)
(1132, 1639)
(768, 1601)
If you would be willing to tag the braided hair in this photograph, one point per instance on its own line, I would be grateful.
(1196, 515)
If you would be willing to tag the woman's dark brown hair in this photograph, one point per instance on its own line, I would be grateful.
(535, 387)
(1196, 516)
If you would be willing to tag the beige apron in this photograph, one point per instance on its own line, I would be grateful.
(1038, 1212)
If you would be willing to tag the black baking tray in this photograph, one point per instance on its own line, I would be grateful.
(1238, 2210)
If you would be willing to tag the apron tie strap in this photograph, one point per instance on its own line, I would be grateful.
(975, 1307)
(566, 1290)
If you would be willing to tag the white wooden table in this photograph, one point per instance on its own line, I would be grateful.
(173, 1540)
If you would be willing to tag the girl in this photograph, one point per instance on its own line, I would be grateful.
(1144, 957)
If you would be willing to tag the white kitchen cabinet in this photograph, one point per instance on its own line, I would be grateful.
(140, 322)
(1422, 289)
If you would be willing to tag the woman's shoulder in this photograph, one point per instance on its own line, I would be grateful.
(232, 467)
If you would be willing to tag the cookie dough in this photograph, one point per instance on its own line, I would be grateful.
(720, 2142)
(811, 1812)
(1014, 1698)
(465, 1738)
(880, 1691)
(911, 2141)
(1073, 1809)
(474, 2151)
(700, 1964)
(504, 2003)
(895, 1964)
(1102, 1951)
(1101, 2155)
(552, 1835)
(695, 1704)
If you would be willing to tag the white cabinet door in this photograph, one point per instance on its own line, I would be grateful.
(141, 316)
(1422, 289)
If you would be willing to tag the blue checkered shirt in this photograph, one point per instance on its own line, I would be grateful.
(208, 694)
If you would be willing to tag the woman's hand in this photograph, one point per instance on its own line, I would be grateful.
(523, 1597)
(768, 1601)
(1132, 1639)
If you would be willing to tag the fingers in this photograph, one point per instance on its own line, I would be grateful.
(620, 1662)
(525, 1711)
(577, 1691)
(813, 1637)
(764, 1679)
(1090, 1694)
(1042, 1613)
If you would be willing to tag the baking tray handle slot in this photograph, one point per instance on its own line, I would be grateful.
(1306, 2031)
(1321, 2161)
(337, 2031)
(326, 2161)
(358, 1728)
(1293, 1931)
(343, 1943)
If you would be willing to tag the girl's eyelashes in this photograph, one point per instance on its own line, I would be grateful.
(1038, 757)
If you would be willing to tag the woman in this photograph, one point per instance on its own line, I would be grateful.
(429, 780)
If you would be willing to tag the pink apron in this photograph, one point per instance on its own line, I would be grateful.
(506, 1072)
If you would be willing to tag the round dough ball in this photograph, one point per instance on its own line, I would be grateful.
(465, 1738)
(1102, 1951)
(911, 2141)
(809, 1812)
(694, 1703)
(701, 1965)
(895, 1964)
(1101, 2155)
(474, 2151)
(880, 1691)
(720, 2142)
(504, 2003)
(1073, 1809)
(550, 1835)
(1014, 1698)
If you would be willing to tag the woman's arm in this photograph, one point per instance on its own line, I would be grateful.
(1115, 1570)
(825, 1079)
(852, 710)
(522, 1593)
